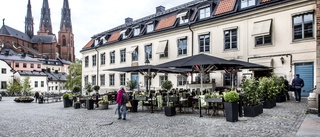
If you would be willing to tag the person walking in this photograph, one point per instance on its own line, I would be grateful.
(36, 95)
(297, 83)
(121, 104)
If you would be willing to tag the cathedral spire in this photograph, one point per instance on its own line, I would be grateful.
(65, 24)
(45, 21)
(29, 21)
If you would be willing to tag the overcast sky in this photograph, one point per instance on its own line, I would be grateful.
(88, 17)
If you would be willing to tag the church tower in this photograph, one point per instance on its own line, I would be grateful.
(29, 21)
(45, 21)
(66, 39)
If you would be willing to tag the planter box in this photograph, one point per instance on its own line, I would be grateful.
(89, 104)
(269, 103)
(76, 105)
(170, 111)
(213, 100)
(140, 98)
(252, 111)
(281, 98)
(103, 106)
(66, 102)
(134, 104)
(173, 99)
(231, 111)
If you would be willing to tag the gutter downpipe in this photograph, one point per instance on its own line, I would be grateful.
(97, 66)
(274, 56)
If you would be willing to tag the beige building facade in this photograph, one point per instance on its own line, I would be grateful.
(280, 34)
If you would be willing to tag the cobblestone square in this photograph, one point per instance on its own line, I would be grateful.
(52, 120)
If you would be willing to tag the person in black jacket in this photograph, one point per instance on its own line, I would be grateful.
(36, 95)
(297, 83)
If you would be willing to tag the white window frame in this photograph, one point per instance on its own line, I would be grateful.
(247, 3)
(204, 12)
(230, 31)
(150, 27)
(123, 55)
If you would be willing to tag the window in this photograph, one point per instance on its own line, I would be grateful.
(247, 3)
(150, 28)
(148, 51)
(182, 46)
(94, 60)
(146, 81)
(135, 54)
(136, 31)
(93, 80)
(24, 65)
(3, 71)
(303, 26)
(86, 61)
(204, 43)
(39, 65)
(112, 57)
(230, 39)
(102, 80)
(182, 80)
(56, 87)
(162, 79)
(122, 79)
(3, 85)
(17, 65)
(103, 58)
(184, 20)
(64, 41)
(36, 84)
(111, 79)
(205, 12)
(31, 65)
(228, 80)
(86, 80)
(123, 55)
(165, 54)
(263, 40)
(42, 83)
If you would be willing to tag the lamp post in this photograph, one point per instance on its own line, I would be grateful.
(147, 62)
(72, 77)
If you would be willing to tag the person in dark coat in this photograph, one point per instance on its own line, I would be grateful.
(36, 95)
(97, 99)
(297, 83)
(286, 87)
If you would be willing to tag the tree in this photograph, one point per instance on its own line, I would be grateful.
(89, 88)
(96, 88)
(26, 85)
(131, 84)
(14, 87)
(75, 75)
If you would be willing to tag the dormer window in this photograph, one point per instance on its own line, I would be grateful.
(150, 27)
(183, 17)
(104, 40)
(123, 34)
(136, 31)
(205, 12)
(96, 42)
(247, 3)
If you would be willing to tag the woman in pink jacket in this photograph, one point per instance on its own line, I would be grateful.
(121, 104)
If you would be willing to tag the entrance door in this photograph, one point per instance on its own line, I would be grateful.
(307, 74)
(135, 77)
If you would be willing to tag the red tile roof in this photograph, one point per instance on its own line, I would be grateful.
(225, 6)
(89, 44)
(265, 1)
(166, 22)
(115, 36)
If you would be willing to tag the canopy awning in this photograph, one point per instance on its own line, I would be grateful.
(132, 49)
(182, 14)
(161, 47)
(261, 28)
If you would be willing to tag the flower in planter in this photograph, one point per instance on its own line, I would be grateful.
(231, 96)
(103, 102)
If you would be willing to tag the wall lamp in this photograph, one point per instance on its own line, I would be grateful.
(282, 60)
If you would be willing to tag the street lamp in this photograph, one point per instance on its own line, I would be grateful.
(72, 77)
(147, 62)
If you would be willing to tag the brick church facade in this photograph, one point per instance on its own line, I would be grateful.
(45, 44)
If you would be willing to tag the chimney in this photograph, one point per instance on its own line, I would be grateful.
(55, 71)
(6, 53)
(48, 70)
(128, 20)
(160, 9)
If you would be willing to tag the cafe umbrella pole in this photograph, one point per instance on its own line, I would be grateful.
(201, 69)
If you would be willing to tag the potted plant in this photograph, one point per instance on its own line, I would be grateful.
(77, 105)
(213, 97)
(131, 85)
(76, 90)
(89, 101)
(170, 109)
(251, 98)
(231, 108)
(24, 99)
(281, 96)
(141, 97)
(66, 100)
(103, 104)
(269, 88)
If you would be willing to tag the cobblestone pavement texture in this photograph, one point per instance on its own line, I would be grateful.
(32, 120)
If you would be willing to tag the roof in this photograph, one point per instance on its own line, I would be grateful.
(56, 76)
(225, 6)
(31, 73)
(114, 37)
(43, 38)
(19, 58)
(6, 30)
(89, 44)
(32, 50)
(166, 22)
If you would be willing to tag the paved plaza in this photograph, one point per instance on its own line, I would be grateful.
(52, 120)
